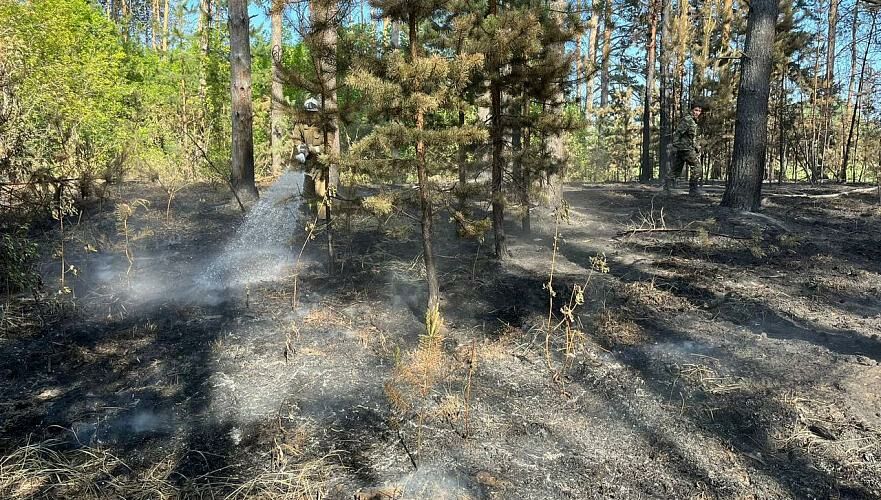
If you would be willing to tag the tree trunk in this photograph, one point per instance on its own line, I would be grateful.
(605, 80)
(646, 171)
(242, 165)
(842, 174)
(154, 22)
(165, 17)
(498, 162)
(204, 47)
(525, 182)
(815, 162)
(853, 117)
(326, 13)
(744, 186)
(325, 54)
(462, 159)
(276, 116)
(579, 67)
(666, 133)
(829, 83)
(555, 145)
(590, 61)
(683, 39)
(781, 138)
(424, 193)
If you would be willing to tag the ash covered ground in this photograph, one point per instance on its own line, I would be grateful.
(715, 354)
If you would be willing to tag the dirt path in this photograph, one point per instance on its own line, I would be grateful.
(737, 359)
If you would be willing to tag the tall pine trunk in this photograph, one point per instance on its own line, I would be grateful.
(166, 11)
(424, 190)
(204, 49)
(498, 162)
(605, 77)
(276, 115)
(242, 165)
(781, 136)
(829, 93)
(666, 134)
(525, 182)
(646, 170)
(590, 61)
(744, 186)
(856, 107)
(323, 47)
(555, 144)
(327, 13)
(842, 173)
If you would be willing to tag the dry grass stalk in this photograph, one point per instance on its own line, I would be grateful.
(707, 378)
(41, 470)
(617, 330)
(466, 396)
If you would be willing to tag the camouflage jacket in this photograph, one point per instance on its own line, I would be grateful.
(309, 135)
(685, 135)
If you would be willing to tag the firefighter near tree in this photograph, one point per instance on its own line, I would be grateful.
(309, 144)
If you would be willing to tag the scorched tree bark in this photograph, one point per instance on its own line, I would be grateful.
(744, 186)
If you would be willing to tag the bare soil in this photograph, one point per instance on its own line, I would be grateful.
(715, 355)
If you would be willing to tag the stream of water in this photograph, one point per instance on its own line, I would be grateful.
(262, 248)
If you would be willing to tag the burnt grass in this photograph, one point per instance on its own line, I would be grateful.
(719, 355)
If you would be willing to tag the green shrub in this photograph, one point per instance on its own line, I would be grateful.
(18, 256)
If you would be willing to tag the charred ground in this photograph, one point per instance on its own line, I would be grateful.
(716, 355)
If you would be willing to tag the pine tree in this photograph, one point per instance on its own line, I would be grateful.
(276, 136)
(419, 91)
(242, 168)
(646, 170)
(751, 133)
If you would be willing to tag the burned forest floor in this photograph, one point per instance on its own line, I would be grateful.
(688, 352)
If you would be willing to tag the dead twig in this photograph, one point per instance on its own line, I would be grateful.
(631, 232)
(821, 196)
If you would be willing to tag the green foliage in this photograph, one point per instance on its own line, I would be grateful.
(66, 68)
(429, 85)
(17, 257)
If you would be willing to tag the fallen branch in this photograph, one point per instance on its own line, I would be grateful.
(827, 195)
(680, 230)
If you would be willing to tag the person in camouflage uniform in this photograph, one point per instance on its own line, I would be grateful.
(309, 143)
(685, 152)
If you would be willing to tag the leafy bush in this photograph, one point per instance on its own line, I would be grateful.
(18, 255)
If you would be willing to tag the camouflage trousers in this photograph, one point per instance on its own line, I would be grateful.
(695, 170)
(315, 188)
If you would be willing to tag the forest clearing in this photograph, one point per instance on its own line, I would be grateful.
(433, 249)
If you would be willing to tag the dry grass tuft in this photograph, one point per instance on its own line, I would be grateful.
(23, 316)
(325, 315)
(646, 296)
(828, 434)
(41, 470)
(48, 470)
(706, 378)
(614, 329)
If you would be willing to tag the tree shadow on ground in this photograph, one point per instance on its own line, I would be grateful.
(742, 421)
